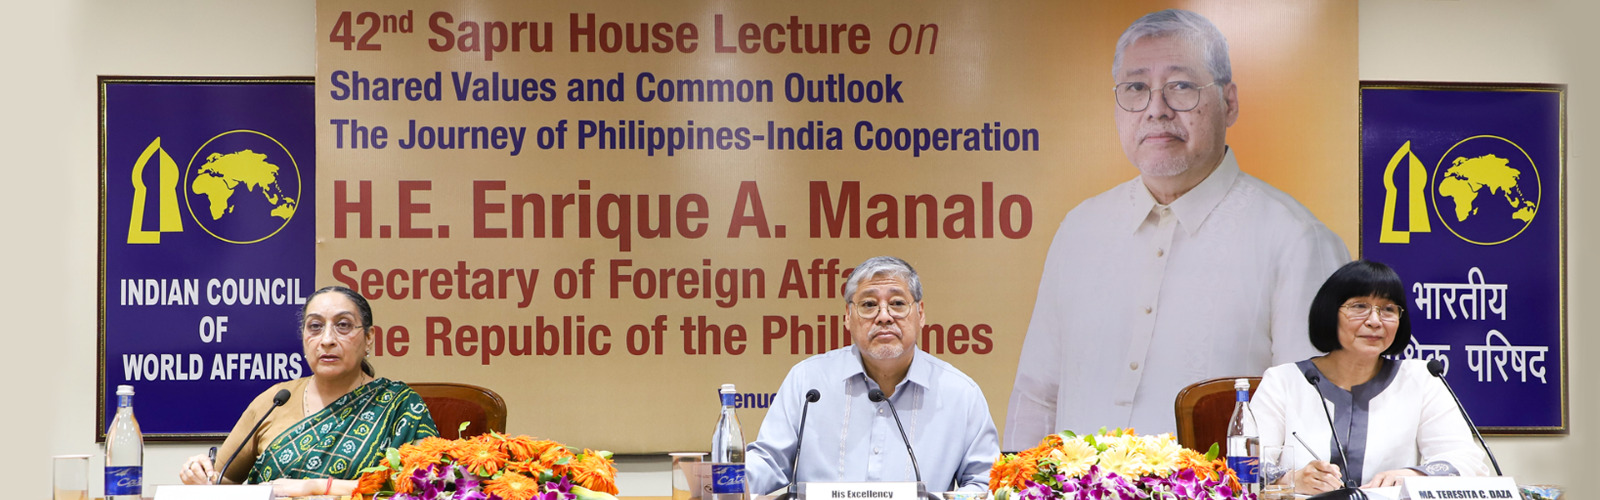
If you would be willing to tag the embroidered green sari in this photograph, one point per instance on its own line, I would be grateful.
(348, 435)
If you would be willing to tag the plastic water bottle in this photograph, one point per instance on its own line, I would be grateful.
(727, 451)
(1244, 450)
(124, 451)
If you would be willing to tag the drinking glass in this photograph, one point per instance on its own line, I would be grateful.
(71, 480)
(686, 475)
(1278, 463)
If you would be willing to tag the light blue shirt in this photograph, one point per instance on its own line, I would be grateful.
(850, 438)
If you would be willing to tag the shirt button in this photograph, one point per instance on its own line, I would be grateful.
(874, 451)
(880, 411)
(1133, 366)
(1160, 252)
(1147, 310)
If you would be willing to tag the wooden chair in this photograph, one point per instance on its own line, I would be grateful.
(452, 404)
(1203, 409)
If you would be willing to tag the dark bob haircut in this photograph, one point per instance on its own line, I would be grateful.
(1362, 278)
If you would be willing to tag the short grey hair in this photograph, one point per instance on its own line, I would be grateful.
(1192, 27)
(879, 266)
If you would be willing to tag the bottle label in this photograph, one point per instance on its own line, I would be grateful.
(124, 480)
(727, 478)
(729, 399)
(1241, 396)
(1247, 468)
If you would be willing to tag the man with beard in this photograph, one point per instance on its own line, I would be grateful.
(848, 437)
(1193, 270)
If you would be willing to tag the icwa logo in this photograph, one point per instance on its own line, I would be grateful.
(241, 186)
(1484, 189)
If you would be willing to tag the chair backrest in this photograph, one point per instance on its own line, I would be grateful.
(1203, 409)
(452, 404)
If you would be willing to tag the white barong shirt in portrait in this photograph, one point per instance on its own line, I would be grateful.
(1401, 419)
(1138, 300)
(848, 438)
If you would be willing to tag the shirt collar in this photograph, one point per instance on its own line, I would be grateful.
(920, 373)
(1193, 207)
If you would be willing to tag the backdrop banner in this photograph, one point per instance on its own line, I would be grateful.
(1463, 192)
(203, 261)
(603, 210)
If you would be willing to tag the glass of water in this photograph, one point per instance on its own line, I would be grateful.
(71, 480)
(1278, 463)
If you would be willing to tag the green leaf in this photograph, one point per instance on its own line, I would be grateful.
(1213, 452)
(463, 427)
(394, 458)
(563, 461)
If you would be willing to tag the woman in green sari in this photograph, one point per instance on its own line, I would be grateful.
(336, 422)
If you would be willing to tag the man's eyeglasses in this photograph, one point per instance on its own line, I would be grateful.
(869, 308)
(1361, 310)
(1179, 95)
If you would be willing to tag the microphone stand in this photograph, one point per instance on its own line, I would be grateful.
(277, 400)
(1437, 369)
(1347, 492)
(876, 396)
(794, 467)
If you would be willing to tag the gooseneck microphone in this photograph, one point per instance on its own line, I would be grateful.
(277, 400)
(1346, 491)
(1437, 369)
(876, 396)
(794, 467)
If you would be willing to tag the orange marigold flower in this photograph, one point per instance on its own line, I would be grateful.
(1051, 441)
(480, 457)
(434, 445)
(594, 472)
(527, 448)
(528, 467)
(404, 485)
(555, 454)
(512, 487)
(371, 482)
(1013, 472)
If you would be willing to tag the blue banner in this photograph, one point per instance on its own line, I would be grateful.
(207, 245)
(1462, 193)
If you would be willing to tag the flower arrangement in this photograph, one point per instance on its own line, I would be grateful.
(1113, 465)
(491, 466)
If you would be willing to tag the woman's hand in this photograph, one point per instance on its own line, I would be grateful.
(1390, 478)
(311, 487)
(285, 487)
(1317, 477)
(197, 470)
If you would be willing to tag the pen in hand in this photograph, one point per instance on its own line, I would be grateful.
(1309, 449)
(211, 456)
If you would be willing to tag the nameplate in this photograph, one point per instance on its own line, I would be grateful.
(861, 491)
(1450, 488)
(214, 492)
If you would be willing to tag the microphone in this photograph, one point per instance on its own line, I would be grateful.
(876, 396)
(1437, 369)
(794, 468)
(277, 400)
(1347, 492)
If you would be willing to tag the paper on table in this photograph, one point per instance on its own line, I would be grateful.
(1384, 493)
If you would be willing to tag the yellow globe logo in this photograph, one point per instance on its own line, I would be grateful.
(242, 186)
(1486, 190)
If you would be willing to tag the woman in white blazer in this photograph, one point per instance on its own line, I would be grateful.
(1394, 418)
